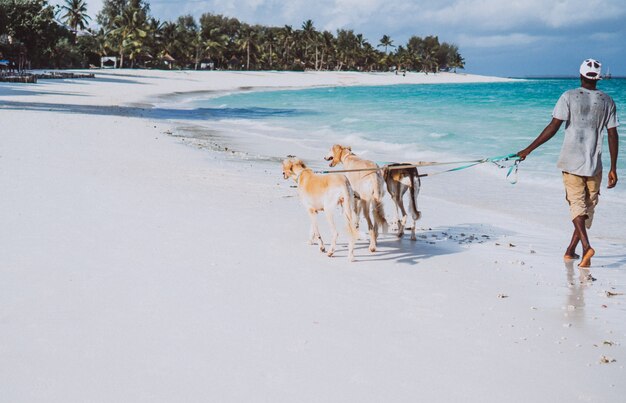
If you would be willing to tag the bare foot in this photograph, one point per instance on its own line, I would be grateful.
(569, 257)
(586, 260)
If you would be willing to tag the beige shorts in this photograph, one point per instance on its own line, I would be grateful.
(581, 192)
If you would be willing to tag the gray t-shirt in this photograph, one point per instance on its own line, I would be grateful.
(586, 113)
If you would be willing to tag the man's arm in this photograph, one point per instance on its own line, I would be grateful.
(551, 129)
(613, 150)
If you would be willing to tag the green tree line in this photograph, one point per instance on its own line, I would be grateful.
(48, 36)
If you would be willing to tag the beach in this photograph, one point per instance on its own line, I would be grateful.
(139, 264)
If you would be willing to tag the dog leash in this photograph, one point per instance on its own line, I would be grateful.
(495, 160)
(467, 164)
(404, 165)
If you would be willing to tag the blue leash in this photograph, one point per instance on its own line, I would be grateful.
(494, 160)
(468, 164)
(512, 169)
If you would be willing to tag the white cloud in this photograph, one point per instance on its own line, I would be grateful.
(503, 15)
(576, 12)
(604, 36)
(496, 41)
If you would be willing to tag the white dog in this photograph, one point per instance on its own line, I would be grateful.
(369, 184)
(323, 193)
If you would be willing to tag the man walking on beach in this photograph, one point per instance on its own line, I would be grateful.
(586, 111)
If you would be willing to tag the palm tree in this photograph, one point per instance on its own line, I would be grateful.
(405, 58)
(130, 29)
(137, 41)
(347, 46)
(327, 41)
(154, 40)
(247, 41)
(423, 53)
(386, 41)
(101, 40)
(75, 15)
(370, 57)
(360, 50)
(309, 35)
(271, 40)
(215, 42)
(188, 44)
(429, 55)
(287, 39)
(448, 57)
(168, 40)
(457, 61)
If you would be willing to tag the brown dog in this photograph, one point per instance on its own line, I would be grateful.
(398, 181)
(323, 193)
(369, 184)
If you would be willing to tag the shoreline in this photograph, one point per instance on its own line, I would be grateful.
(414, 79)
(136, 268)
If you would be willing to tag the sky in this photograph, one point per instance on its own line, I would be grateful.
(509, 38)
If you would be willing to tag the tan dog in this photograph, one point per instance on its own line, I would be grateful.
(323, 193)
(368, 184)
(398, 181)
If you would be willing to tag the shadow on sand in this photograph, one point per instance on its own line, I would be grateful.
(430, 243)
(114, 80)
(116, 73)
(13, 91)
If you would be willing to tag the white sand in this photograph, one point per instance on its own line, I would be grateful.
(135, 268)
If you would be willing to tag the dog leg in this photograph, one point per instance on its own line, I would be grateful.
(413, 237)
(313, 235)
(351, 248)
(370, 226)
(333, 230)
(402, 222)
(414, 225)
(415, 213)
(357, 212)
(353, 233)
(316, 231)
(393, 192)
(396, 219)
(390, 190)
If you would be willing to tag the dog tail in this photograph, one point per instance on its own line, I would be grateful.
(378, 209)
(348, 211)
(379, 215)
(414, 190)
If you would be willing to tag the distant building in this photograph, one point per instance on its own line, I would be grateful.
(108, 62)
(233, 63)
(168, 60)
(207, 65)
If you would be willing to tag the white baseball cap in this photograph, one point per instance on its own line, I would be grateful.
(591, 69)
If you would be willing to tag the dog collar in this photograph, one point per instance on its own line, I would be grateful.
(344, 155)
(300, 174)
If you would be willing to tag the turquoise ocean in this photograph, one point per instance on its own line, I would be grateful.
(438, 122)
(463, 121)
